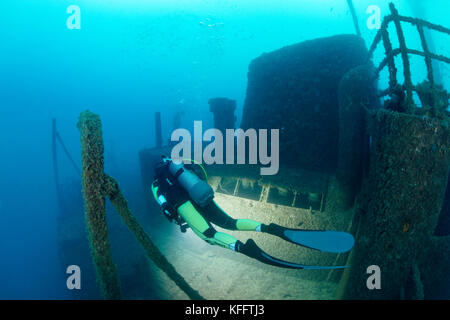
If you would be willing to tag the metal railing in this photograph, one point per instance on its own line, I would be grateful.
(390, 53)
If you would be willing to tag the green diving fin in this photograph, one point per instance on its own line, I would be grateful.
(251, 250)
(325, 241)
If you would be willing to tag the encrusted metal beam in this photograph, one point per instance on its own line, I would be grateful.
(404, 53)
(96, 186)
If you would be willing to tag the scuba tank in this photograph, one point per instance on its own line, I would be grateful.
(199, 191)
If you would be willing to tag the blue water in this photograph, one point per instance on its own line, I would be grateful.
(129, 59)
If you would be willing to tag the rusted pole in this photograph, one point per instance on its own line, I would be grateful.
(428, 61)
(94, 202)
(96, 186)
(355, 18)
(63, 146)
(425, 23)
(389, 58)
(405, 59)
(376, 40)
(431, 55)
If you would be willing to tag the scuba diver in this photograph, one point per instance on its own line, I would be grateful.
(187, 200)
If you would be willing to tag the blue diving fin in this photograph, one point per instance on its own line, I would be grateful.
(251, 250)
(326, 241)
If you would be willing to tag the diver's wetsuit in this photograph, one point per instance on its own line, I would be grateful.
(177, 199)
(177, 205)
